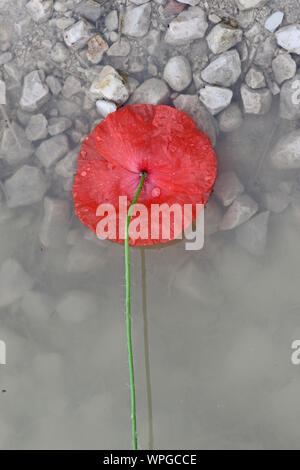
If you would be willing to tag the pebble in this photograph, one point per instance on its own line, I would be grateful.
(215, 98)
(2, 92)
(26, 186)
(212, 217)
(265, 52)
(230, 119)
(112, 20)
(290, 99)
(241, 210)
(177, 73)
(66, 167)
(255, 78)
(119, 49)
(284, 67)
(286, 153)
(76, 306)
(190, 105)
(90, 10)
(40, 10)
(275, 201)
(189, 25)
(136, 21)
(5, 58)
(256, 101)
(247, 4)
(14, 282)
(35, 93)
(15, 147)
(59, 53)
(152, 91)
(109, 85)
(228, 187)
(54, 85)
(71, 87)
(55, 224)
(288, 37)
(224, 70)
(104, 107)
(51, 150)
(37, 128)
(58, 125)
(223, 37)
(97, 46)
(252, 235)
(193, 3)
(274, 21)
(78, 35)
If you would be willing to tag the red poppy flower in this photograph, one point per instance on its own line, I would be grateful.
(179, 160)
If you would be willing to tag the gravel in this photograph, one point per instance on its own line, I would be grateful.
(189, 25)
(223, 37)
(35, 92)
(215, 98)
(136, 21)
(178, 73)
(37, 128)
(51, 150)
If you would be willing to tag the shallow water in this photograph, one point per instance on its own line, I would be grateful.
(221, 321)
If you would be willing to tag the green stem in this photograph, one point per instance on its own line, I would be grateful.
(128, 313)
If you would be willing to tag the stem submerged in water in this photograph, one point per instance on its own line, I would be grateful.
(128, 314)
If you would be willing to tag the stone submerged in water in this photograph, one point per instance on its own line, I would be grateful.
(223, 37)
(2, 92)
(27, 186)
(215, 98)
(286, 153)
(288, 37)
(284, 67)
(241, 210)
(228, 187)
(35, 93)
(290, 99)
(230, 119)
(137, 20)
(37, 128)
(40, 10)
(252, 235)
(51, 150)
(14, 282)
(55, 222)
(109, 85)
(78, 35)
(15, 147)
(189, 25)
(224, 70)
(152, 91)
(178, 73)
(256, 101)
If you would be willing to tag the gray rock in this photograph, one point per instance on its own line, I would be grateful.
(224, 70)
(228, 187)
(255, 78)
(286, 153)
(54, 85)
(2, 92)
(27, 186)
(109, 85)
(51, 150)
(178, 73)
(89, 10)
(104, 107)
(96, 49)
(152, 91)
(5, 58)
(276, 201)
(288, 37)
(15, 148)
(189, 25)
(137, 20)
(252, 235)
(58, 125)
(223, 37)
(212, 217)
(256, 101)
(37, 128)
(35, 93)
(191, 106)
(290, 99)
(284, 67)
(241, 210)
(112, 20)
(247, 4)
(215, 98)
(40, 10)
(265, 52)
(59, 53)
(78, 35)
(230, 119)
(55, 222)
(274, 21)
(119, 49)
(14, 282)
(66, 167)
(193, 3)
(71, 87)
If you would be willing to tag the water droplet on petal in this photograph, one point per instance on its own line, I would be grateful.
(155, 192)
(84, 173)
(83, 153)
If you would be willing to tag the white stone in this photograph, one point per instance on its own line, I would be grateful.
(35, 93)
(190, 105)
(178, 73)
(78, 35)
(274, 21)
(51, 150)
(119, 49)
(112, 21)
(58, 125)
(152, 91)
(284, 67)
(290, 99)
(228, 187)
(224, 70)
(2, 92)
(27, 186)
(105, 108)
(40, 10)
(256, 101)
(252, 235)
(255, 78)
(286, 153)
(76, 306)
(247, 4)
(230, 119)
(288, 37)
(15, 148)
(71, 87)
(66, 167)
(54, 85)
(55, 222)
(189, 25)
(14, 282)
(110, 85)
(241, 210)
(193, 3)
(276, 201)
(59, 53)
(137, 20)
(37, 128)
(223, 37)
(215, 98)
